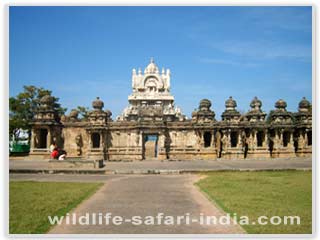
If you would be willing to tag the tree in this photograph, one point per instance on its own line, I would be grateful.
(83, 111)
(23, 107)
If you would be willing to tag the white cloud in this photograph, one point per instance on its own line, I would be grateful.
(262, 50)
(227, 62)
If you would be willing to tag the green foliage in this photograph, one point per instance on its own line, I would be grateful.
(32, 202)
(266, 193)
(23, 107)
(83, 111)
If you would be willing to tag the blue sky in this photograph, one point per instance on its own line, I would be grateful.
(213, 52)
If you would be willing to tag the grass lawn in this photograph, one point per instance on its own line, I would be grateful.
(253, 194)
(32, 202)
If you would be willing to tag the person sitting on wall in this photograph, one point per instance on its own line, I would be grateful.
(55, 153)
(62, 154)
(52, 147)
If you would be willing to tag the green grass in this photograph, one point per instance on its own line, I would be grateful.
(32, 202)
(267, 193)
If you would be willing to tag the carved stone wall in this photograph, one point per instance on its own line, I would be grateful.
(151, 112)
(71, 133)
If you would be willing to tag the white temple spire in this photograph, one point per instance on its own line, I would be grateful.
(151, 96)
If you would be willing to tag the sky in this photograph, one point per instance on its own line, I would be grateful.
(213, 52)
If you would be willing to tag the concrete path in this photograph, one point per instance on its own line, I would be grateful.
(141, 167)
(142, 195)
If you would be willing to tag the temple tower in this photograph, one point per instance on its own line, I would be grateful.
(151, 99)
(97, 130)
(46, 128)
(231, 131)
(255, 133)
(303, 131)
(281, 131)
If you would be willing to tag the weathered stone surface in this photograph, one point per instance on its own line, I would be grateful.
(78, 164)
(151, 112)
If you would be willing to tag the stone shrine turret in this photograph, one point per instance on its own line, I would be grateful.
(46, 112)
(255, 114)
(230, 114)
(280, 116)
(97, 116)
(204, 113)
(304, 114)
(151, 99)
(46, 127)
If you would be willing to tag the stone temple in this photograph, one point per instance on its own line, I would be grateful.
(152, 127)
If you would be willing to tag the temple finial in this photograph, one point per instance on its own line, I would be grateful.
(151, 60)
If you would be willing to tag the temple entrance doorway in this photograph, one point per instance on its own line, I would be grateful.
(43, 138)
(150, 147)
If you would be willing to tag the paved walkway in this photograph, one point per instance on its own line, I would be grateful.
(178, 166)
(142, 195)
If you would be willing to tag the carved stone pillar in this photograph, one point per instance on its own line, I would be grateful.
(276, 142)
(250, 141)
(301, 142)
(137, 138)
(254, 139)
(212, 139)
(33, 135)
(161, 140)
(48, 138)
(201, 139)
(290, 142)
(140, 138)
(90, 139)
(281, 138)
(239, 142)
(224, 141)
(264, 144)
(229, 139)
(101, 139)
(305, 138)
